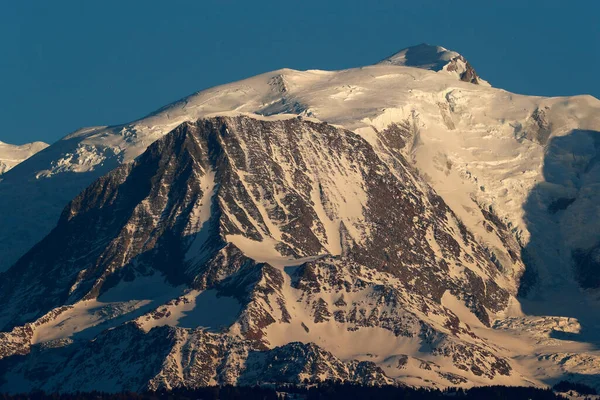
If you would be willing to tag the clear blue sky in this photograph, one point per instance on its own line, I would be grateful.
(68, 64)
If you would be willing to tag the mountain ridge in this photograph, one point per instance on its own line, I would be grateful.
(149, 216)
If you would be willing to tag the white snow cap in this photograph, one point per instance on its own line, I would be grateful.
(423, 55)
(437, 59)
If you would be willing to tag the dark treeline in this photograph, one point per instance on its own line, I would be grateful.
(566, 386)
(320, 392)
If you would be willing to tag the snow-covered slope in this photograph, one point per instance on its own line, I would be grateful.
(11, 155)
(248, 229)
(519, 172)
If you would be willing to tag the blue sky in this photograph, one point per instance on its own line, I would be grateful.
(68, 64)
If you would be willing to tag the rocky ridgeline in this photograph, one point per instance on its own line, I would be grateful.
(374, 247)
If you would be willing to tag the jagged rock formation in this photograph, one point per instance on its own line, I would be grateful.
(220, 209)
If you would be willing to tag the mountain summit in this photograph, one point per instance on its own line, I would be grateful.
(435, 58)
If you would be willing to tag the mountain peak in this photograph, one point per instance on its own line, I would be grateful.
(435, 58)
(423, 55)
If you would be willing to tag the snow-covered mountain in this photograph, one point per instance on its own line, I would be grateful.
(11, 155)
(266, 232)
(432, 232)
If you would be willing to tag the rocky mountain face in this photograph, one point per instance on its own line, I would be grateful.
(433, 232)
(42, 187)
(11, 155)
(261, 237)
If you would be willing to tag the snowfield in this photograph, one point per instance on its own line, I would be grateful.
(11, 155)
